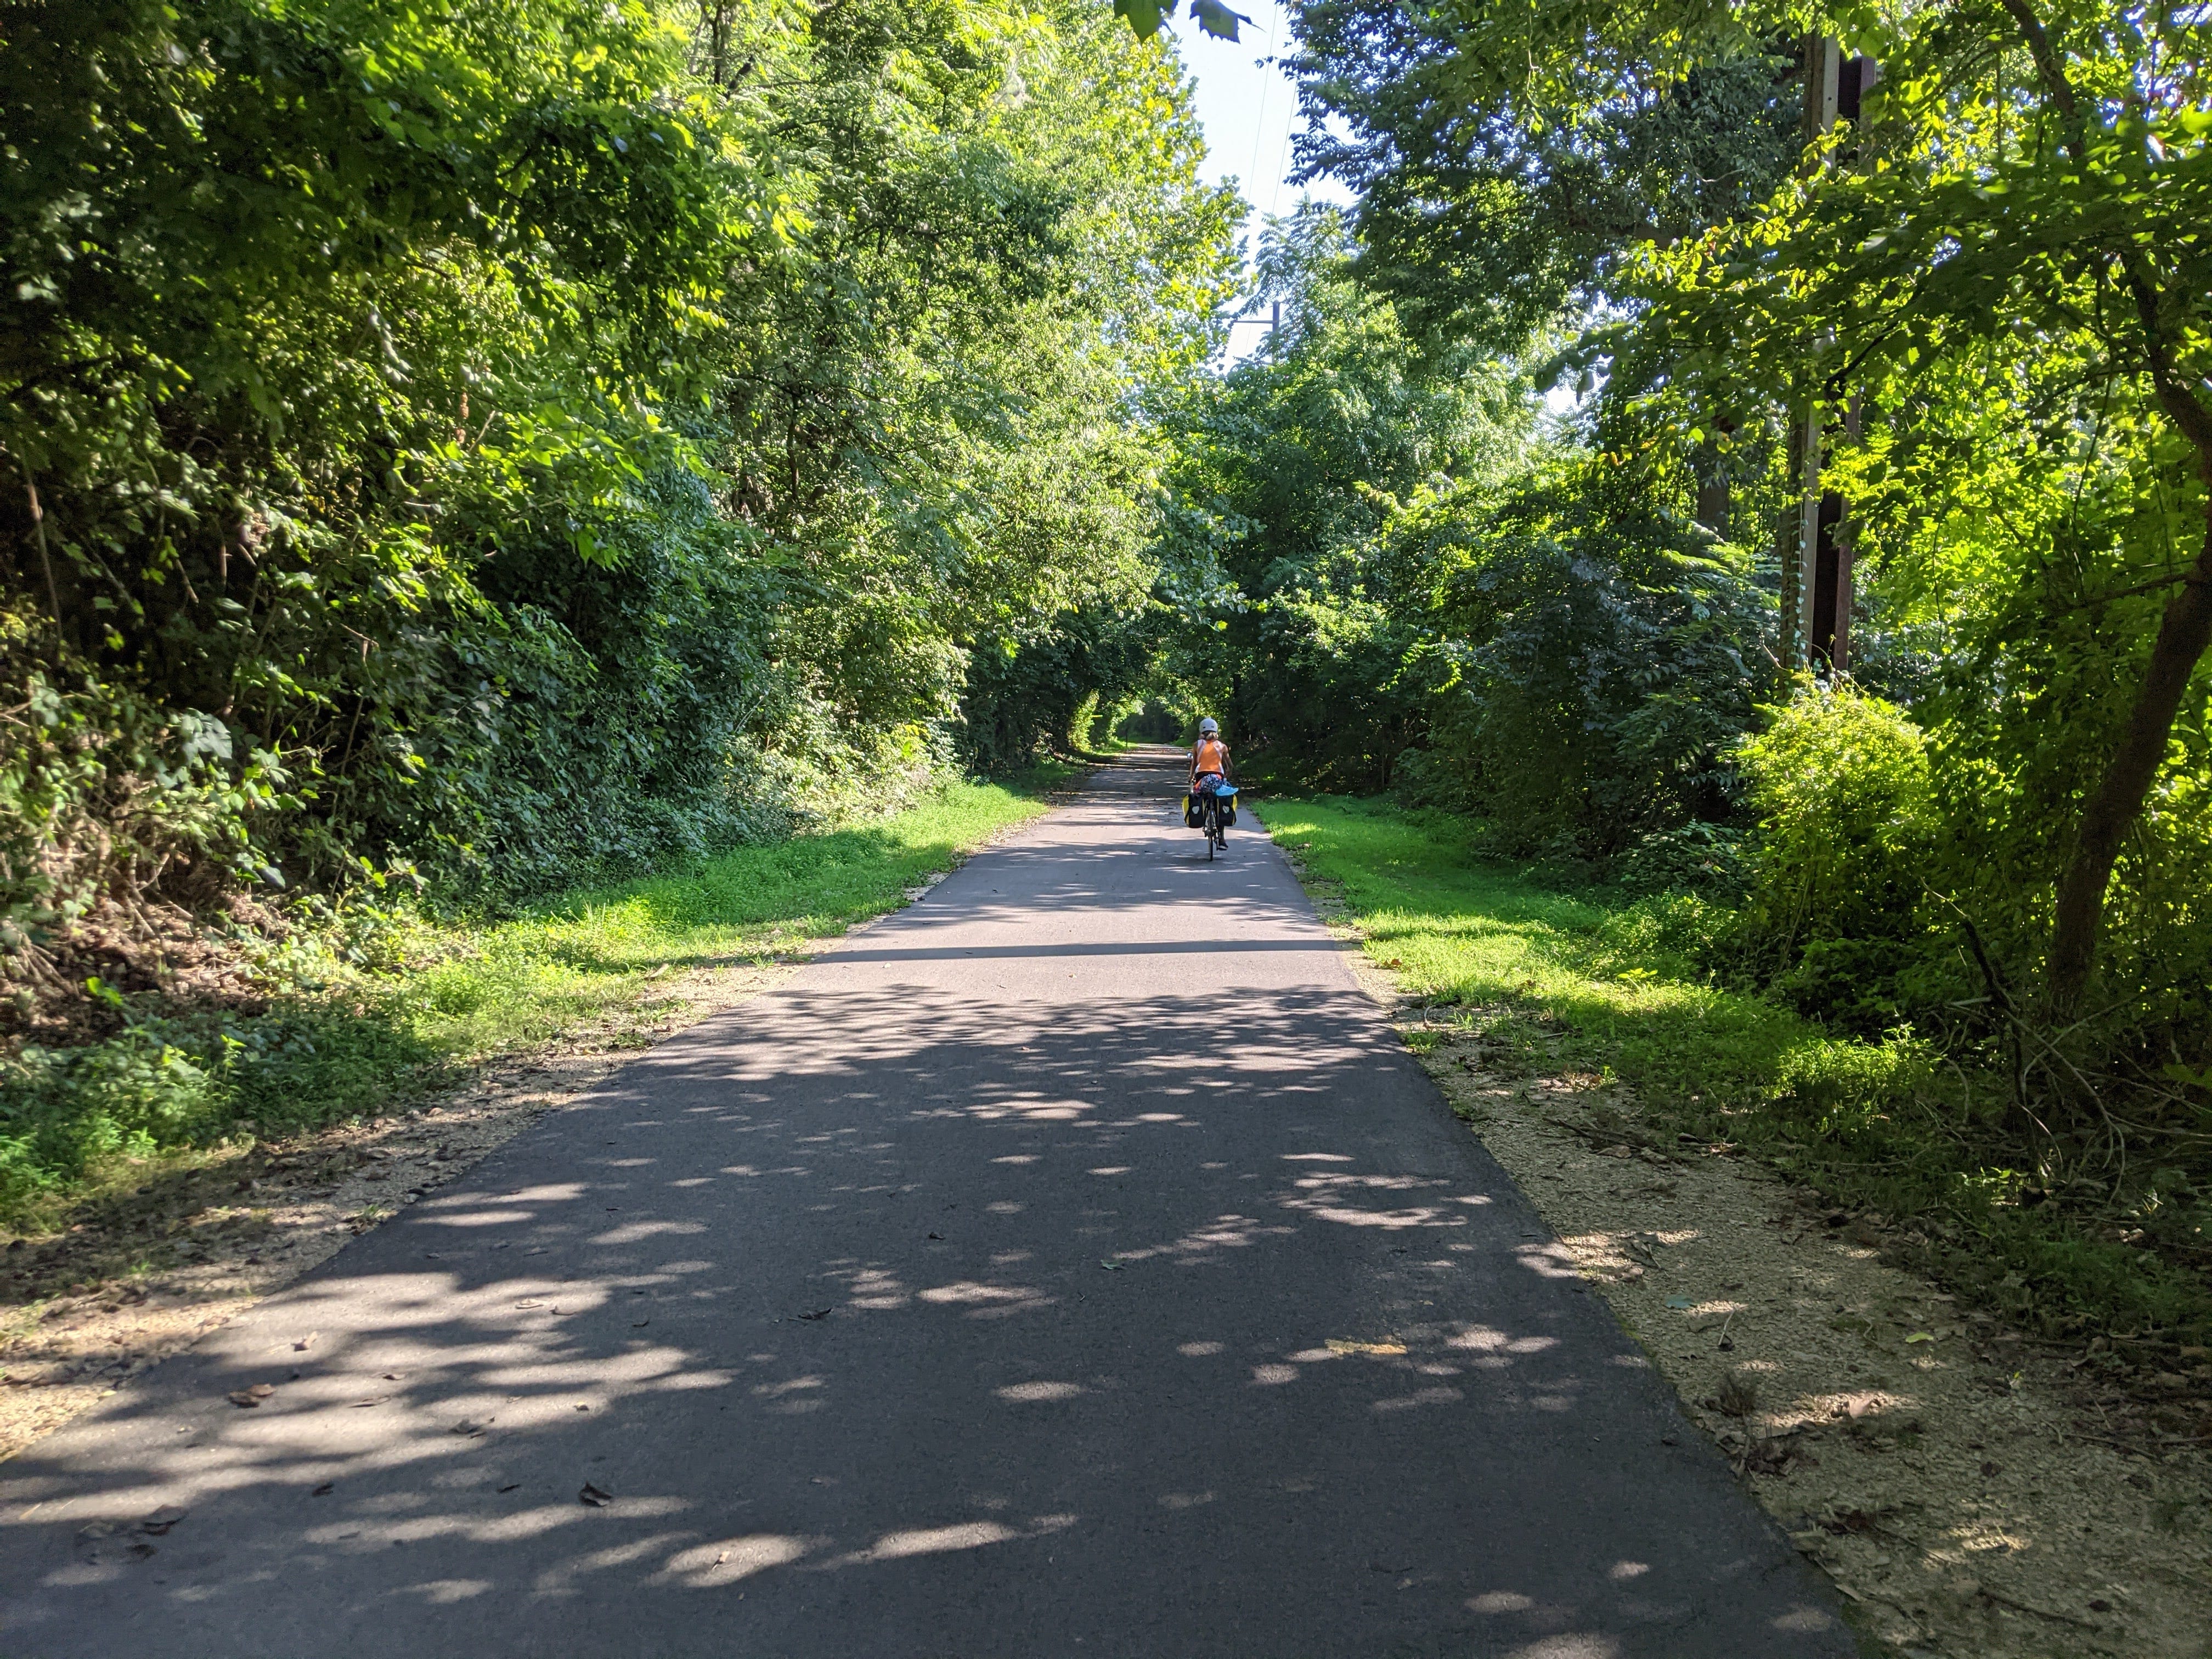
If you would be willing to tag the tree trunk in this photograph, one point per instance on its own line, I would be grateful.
(2182, 635)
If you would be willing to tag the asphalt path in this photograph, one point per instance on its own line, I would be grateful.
(1070, 1263)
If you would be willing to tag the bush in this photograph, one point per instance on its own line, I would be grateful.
(1682, 932)
(62, 1109)
(163, 1084)
(1836, 917)
(1693, 858)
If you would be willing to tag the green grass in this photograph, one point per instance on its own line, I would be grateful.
(380, 1007)
(527, 979)
(1561, 981)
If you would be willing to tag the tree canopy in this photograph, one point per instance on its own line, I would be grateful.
(529, 438)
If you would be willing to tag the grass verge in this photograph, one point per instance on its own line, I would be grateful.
(1556, 980)
(380, 1005)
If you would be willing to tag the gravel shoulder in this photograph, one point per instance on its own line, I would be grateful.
(1955, 1480)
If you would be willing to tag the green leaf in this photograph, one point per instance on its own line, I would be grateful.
(1216, 19)
(1145, 15)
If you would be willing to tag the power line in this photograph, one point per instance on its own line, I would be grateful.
(1275, 192)
(1260, 120)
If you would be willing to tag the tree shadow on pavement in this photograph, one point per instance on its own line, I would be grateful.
(1024, 1328)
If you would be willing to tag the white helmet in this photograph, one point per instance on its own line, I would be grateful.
(1208, 726)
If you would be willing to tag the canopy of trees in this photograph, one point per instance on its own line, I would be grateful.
(529, 438)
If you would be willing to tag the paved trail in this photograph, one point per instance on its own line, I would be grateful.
(818, 1292)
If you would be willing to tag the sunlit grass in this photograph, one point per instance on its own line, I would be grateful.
(583, 954)
(1554, 979)
(376, 1009)
(1460, 931)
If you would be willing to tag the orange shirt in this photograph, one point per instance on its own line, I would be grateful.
(1211, 755)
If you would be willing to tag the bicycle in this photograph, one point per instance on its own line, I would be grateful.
(1212, 810)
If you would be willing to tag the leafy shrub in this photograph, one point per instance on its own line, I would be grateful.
(165, 1083)
(1695, 857)
(62, 1109)
(1846, 841)
(105, 795)
(1678, 931)
(1841, 1089)
(1587, 649)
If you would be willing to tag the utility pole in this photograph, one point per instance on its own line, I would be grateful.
(1817, 576)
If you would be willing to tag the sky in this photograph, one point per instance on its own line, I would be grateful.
(1249, 110)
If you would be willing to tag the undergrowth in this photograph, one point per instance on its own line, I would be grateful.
(372, 1004)
(1892, 1124)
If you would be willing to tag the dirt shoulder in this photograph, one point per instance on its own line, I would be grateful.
(1955, 1480)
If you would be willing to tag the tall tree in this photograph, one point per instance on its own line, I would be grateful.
(1508, 159)
(2026, 174)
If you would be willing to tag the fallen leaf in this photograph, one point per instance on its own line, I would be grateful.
(1921, 1336)
(1739, 1395)
(162, 1520)
(593, 1496)
(1774, 1456)
(252, 1396)
(1680, 1302)
(639, 1324)
(324, 1490)
(306, 1342)
(1112, 1265)
(468, 1428)
(1345, 1345)
(515, 1486)
(819, 1313)
(528, 1303)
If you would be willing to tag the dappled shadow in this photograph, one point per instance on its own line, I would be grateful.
(894, 1318)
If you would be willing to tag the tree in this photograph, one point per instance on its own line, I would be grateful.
(1509, 159)
(1288, 467)
(555, 436)
(2025, 175)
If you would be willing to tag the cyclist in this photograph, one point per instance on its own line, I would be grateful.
(1209, 760)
